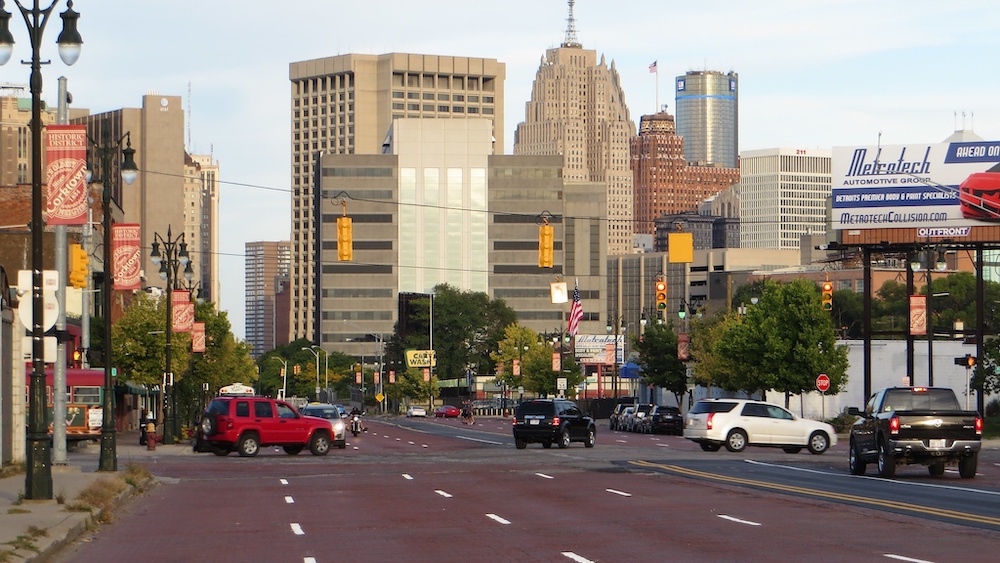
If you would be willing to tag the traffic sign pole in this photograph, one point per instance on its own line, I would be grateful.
(823, 384)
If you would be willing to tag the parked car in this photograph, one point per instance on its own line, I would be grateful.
(637, 423)
(247, 423)
(415, 410)
(447, 411)
(549, 421)
(333, 414)
(738, 423)
(625, 418)
(614, 419)
(665, 420)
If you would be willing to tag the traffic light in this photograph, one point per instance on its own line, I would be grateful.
(345, 239)
(827, 296)
(296, 369)
(546, 240)
(970, 361)
(661, 295)
(78, 266)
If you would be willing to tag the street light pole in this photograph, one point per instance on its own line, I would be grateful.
(615, 324)
(129, 171)
(284, 375)
(38, 474)
(315, 352)
(174, 254)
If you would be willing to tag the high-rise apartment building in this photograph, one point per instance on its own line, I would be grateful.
(201, 219)
(346, 105)
(577, 111)
(266, 268)
(665, 183)
(707, 104)
(783, 195)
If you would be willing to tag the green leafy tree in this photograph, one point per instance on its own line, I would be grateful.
(657, 349)
(782, 343)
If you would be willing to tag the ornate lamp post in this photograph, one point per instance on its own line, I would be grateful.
(175, 254)
(105, 154)
(38, 480)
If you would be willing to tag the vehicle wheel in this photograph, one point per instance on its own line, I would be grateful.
(709, 447)
(591, 438)
(611, 426)
(520, 444)
(967, 466)
(293, 450)
(319, 444)
(564, 439)
(936, 469)
(249, 445)
(792, 449)
(221, 451)
(819, 442)
(886, 462)
(207, 425)
(736, 441)
(546, 445)
(854, 462)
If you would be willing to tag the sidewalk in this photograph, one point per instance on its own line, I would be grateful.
(18, 516)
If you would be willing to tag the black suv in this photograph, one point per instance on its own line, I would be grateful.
(549, 421)
(666, 420)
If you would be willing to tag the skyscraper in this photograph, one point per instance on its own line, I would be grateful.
(266, 265)
(577, 110)
(201, 192)
(783, 195)
(665, 183)
(345, 105)
(708, 116)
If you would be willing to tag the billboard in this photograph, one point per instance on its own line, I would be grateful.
(941, 189)
(594, 348)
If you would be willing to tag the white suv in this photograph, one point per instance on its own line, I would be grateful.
(737, 423)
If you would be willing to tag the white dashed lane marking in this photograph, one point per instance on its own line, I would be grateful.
(283, 481)
(442, 493)
(622, 493)
(407, 476)
(498, 519)
(903, 558)
(738, 521)
(289, 500)
(576, 557)
(544, 476)
(297, 529)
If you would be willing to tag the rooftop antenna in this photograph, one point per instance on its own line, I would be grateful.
(571, 28)
(189, 117)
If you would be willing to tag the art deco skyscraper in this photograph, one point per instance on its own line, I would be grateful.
(708, 117)
(577, 110)
(345, 105)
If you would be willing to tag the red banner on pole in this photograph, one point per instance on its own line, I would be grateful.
(198, 337)
(126, 256)
(918, 314)
(66, 174)
(183, 311)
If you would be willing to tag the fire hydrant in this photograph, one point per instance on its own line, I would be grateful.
(150, 435)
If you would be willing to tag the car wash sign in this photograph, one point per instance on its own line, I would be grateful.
(941, 189)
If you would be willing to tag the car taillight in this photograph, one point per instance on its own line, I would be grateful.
(894, 425)
(514, 420)
(979, 426)
(708, 421)
(555, 421)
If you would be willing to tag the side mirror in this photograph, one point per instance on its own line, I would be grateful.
(854, 411)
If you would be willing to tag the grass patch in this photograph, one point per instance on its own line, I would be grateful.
(18, 511)
(25, 542)
(99, 498)
(991, 427)
(12, 469)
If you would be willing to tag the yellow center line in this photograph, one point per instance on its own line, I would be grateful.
(942, 512)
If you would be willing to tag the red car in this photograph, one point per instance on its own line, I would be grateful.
(447, 411)
(979, 196)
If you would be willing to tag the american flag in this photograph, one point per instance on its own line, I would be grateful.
(576, 311)
(652, 67)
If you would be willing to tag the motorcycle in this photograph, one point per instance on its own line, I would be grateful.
(356, 425)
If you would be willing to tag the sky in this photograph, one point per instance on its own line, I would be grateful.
(812, 74)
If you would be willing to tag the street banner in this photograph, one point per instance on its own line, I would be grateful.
(683, 347)
(198, 337)
(66, 174)
(918, 315)
(126, 256)
(183, 312)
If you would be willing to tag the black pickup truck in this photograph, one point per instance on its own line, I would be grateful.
(909, 425)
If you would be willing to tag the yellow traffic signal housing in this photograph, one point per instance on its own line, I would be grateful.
(661, 295)
(345, 239)
(970, 361)
(827, 296)
(296, 369)
(79, 263)
(546, 242)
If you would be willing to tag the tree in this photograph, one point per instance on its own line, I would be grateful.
(534, 355)
(782, 343)
(657, 349)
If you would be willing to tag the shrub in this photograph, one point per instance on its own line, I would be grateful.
(842, 422)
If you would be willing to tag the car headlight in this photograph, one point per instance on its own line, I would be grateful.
(338, 426)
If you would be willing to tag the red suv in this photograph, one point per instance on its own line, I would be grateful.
(247, 423)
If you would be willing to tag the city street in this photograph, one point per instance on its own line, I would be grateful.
(437, 490)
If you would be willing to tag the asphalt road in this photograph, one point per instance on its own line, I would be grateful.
(437, 490)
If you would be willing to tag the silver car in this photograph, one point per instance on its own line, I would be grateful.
(333, 414)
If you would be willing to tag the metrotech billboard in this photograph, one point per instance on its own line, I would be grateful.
(940, 189)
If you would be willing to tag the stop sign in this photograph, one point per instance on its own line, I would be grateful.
(822, 382)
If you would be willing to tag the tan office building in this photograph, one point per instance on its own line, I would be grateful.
(345, 105)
